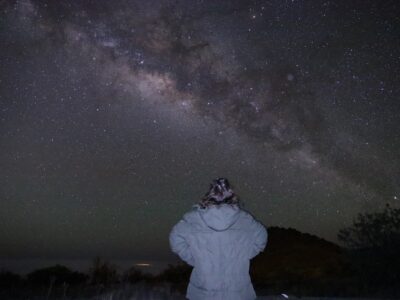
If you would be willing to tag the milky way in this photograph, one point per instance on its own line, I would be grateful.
(116, 116)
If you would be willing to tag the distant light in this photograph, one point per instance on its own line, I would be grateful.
(143, 265)
(286, 296)
(395, 197)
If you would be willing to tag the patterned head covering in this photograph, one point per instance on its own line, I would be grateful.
(220, 192)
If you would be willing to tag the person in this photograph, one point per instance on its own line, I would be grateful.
(218, 238)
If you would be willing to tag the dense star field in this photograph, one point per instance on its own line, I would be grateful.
(116, 115)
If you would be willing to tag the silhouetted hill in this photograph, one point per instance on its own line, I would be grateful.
(291, 255)
(57, 274)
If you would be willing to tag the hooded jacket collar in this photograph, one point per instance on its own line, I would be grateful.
(219, 217)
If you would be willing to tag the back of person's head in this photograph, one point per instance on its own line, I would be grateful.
(220, 192)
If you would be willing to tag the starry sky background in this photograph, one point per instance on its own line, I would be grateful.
(116, 115)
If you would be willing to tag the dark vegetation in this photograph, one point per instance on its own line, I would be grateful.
(102, 282)
(373, 247)
(293, 263)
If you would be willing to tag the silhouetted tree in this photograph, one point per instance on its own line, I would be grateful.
(373, 230)
(103, 272)
(374, 244)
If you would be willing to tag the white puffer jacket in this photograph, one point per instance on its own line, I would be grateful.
(218, 241)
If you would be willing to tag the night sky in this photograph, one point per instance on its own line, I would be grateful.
(115, 116)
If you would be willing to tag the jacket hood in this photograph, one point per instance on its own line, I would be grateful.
(220, 217)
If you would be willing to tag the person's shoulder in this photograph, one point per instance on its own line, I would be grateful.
(191, 216)
(246, 215)
(245, 219)
(187, 221)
